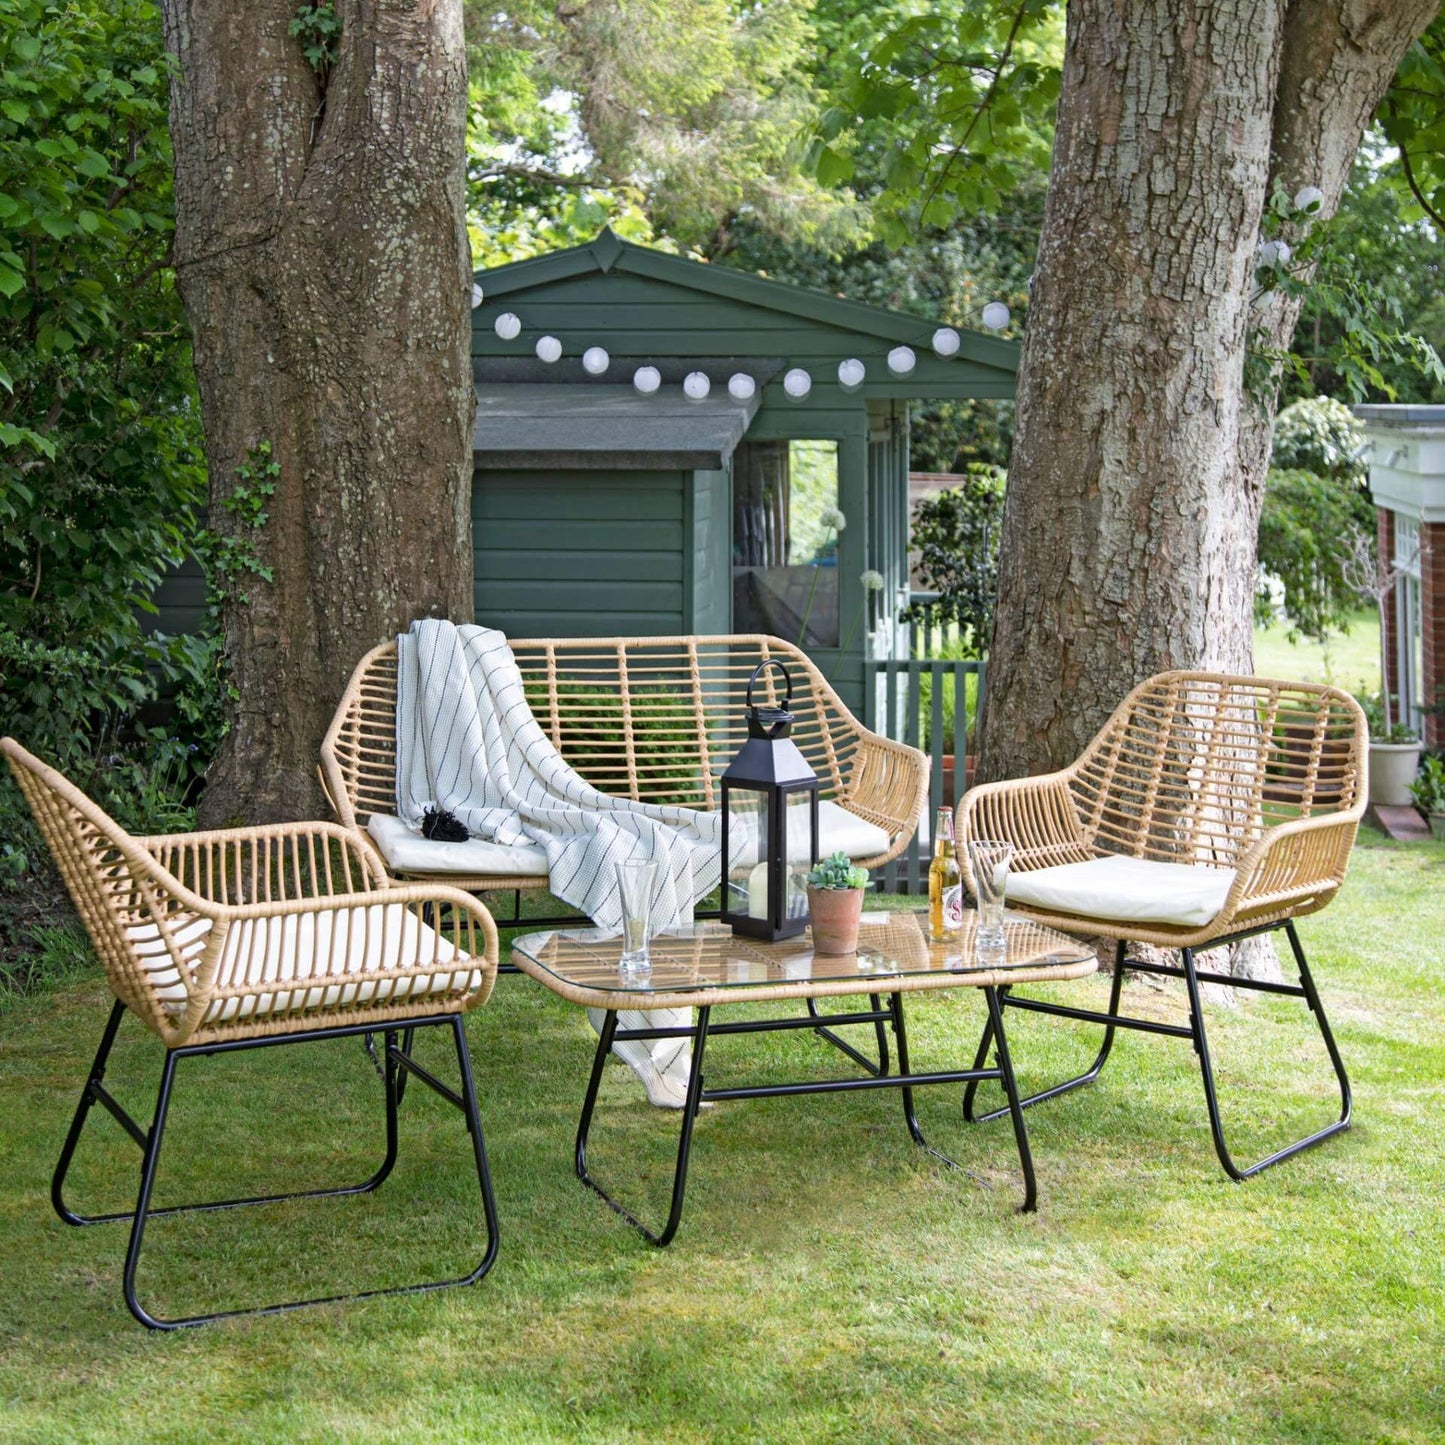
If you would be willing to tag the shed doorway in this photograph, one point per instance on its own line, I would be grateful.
(785, 540)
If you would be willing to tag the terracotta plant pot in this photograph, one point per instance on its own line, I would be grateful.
(835, 914)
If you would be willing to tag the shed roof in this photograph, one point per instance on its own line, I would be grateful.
(581, 425)
(646, 304)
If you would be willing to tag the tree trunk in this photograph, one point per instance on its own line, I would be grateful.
(1138, 466)
(322, 255)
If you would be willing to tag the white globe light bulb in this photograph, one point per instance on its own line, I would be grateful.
(647, 379)
(901, 360)
(741, 386)
(508, 326)
(594, 360)
(797, 383)
(851, 373)
(549, 349)
(476, 295)
(695, 385)
(946, 342)
(996, 315)
(1310, 198)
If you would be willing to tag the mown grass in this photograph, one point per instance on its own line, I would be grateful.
(829, 1282)
(1350, 660)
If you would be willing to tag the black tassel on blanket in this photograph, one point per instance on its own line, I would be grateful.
(443, 827)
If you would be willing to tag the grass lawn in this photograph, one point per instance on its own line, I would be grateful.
(829, 1282)
(1350, 660)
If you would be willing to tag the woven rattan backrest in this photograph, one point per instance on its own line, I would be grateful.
(653, 718)
(1193, 766)
(117, 889)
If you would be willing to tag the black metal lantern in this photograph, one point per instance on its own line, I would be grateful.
(769, 824)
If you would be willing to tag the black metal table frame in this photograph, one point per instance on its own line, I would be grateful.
(874, 1078)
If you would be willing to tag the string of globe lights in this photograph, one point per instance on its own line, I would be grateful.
(697, 385)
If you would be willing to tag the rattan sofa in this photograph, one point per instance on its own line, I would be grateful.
(218, 942)
(650, 718)
(1209, 808)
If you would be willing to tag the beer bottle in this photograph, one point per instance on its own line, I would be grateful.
(945, 886)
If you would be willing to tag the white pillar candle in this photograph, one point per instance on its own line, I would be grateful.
(758, 891)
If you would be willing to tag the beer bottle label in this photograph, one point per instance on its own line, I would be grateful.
(953, 906)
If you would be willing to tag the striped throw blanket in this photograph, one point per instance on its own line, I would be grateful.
(467, 743)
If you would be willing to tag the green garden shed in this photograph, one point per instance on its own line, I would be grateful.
(662, 446)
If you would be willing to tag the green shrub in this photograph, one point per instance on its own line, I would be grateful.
(956, 534)
(1321, 435)
(1304, 528)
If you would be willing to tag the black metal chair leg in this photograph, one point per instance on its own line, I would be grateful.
(684, 1143)
(95, 1092)
(1015, 1105)
(408, 1036)
(1078, 1082)
(143, 1199)
(77, 1124)
(479, 1153)
(1206, 1069)
(151, 1142)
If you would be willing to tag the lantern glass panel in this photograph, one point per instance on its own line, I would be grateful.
(802, 850)
(748, 844)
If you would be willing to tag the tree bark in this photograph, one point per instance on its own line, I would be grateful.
(322, 255)
(1138, 465)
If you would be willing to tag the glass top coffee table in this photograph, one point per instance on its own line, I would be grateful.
(706, 967)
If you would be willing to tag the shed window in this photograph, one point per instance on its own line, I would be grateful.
(785, 543)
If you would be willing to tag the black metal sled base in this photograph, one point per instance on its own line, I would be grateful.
(398, 1065)
(1194, 1031)
(876, 1076)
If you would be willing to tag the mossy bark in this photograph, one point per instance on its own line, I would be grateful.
(321, 252)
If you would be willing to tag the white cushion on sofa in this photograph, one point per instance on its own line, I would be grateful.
(1126, 890)
(289, 951)
(408, 852)
(838, 831)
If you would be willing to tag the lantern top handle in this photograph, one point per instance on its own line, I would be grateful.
(770, 723)
(787, 679)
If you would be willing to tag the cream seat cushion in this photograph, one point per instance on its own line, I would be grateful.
(1126, 890)
(326, 946)
(408, 852)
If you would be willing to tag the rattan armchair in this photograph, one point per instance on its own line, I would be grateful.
(1208, 809)
(219, 942)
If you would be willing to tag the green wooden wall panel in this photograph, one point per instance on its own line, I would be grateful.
(576, 536)
(711, 552)
(582, 594)
(578, 496)
(563, 554)
(521, 564)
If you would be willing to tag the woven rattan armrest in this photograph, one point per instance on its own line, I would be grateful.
(888, 785)
(1037, 815)
(469, 918)
(1291, 864)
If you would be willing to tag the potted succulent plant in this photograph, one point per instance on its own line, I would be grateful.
(1394, 754)
(1429, 793)
(835, 901)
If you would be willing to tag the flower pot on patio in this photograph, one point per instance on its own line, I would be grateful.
(1392, 769)
(1437, 827)
(836, 913)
